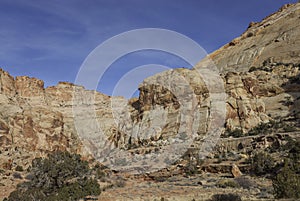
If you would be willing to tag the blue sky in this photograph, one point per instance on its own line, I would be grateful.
(51, 39)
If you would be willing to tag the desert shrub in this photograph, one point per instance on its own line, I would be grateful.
(76, 191)
(28, 195)
(252, 69)
(191, 156)
(191, 169)
(271, 127)
(236, 133)
(19, 168)
(120, 182)
(287, 101)
(225, 183)
(295, 80)
(159, 178)
(61, 176)
(294, 156)
(99, 171)
(244, 182)
(262, 163)
(99, 174)
(289, 128)
(17, 175)
(226, 197)
(287, 146)
(262, 128)
(292, 150)
(287, 183)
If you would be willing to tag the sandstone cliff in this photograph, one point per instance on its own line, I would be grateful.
(275, 39)
(35, 120)
(259, 72)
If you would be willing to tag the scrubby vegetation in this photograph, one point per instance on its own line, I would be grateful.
(62, 176)
(279, 162)
(262, 163)
(285, 175)
(268, 67)
(19, 168)
(226, 183)
(234, 133)
(226, 197)
(244, 182)
(286, 183)
(262, 129)
(271, 127)
(193, 162)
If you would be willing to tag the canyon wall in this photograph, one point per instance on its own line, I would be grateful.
(260, 75)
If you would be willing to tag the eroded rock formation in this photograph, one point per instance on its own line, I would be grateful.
(260, 76)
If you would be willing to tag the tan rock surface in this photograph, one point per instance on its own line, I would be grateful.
(260, 72)
(279, 32)
(235, 171)
(45, 117)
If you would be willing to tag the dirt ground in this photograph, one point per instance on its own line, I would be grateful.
(179, 188)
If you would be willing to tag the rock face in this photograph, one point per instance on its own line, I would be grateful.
(35, 121)
(165, 108)
(263, 94)
(275, 39)
(259, 75)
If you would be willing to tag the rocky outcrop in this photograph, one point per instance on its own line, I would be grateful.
(260, 70)
(166, 108)
(235, 171)
(258, 142)
(35, 120)
(257, 80)
(258, 96)
(275, 39)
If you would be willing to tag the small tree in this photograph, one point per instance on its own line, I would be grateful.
(61, 176)
(294, 156)
(262, 163)
(287, 183)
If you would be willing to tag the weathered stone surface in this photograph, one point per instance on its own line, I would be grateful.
(259, 74)
(235, 171)
(274, 40)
